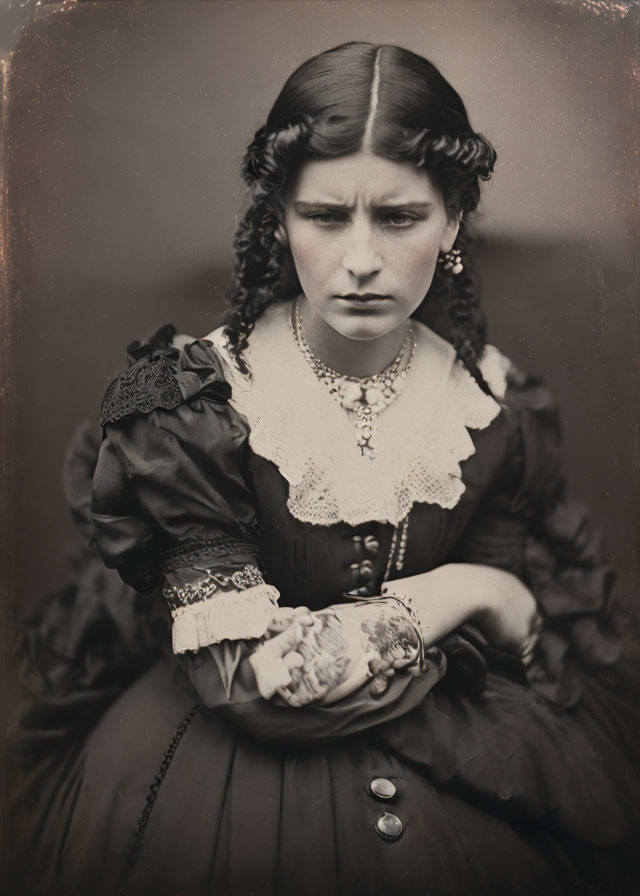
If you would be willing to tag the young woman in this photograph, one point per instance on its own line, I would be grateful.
(396, 666)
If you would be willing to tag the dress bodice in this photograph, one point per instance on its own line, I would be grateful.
(314, 565)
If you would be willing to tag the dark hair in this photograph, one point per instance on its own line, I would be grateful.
(323, 111)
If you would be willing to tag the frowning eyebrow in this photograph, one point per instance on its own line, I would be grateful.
(305, 207)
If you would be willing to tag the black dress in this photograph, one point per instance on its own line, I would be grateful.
(164, 774)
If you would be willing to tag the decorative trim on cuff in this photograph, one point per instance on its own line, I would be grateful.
(231, 614)
(211, 583)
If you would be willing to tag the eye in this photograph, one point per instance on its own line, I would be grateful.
(399, 220)
(327, 218)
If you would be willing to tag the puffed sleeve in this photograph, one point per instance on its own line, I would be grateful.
(169, 500)
(528, 526)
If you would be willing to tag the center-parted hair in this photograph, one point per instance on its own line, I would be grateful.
(395, 104)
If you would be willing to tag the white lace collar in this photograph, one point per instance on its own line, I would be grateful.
(422, 437)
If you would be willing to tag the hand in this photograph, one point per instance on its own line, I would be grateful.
(326, 655)
(509, 615)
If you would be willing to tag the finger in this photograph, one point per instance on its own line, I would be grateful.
(301, 697)
(291, 698)
(378, 685)
(287, 640)
(401, 662)
(282, 618)
(293, 660)
(303, 615)
(379, 664)
(294, 700)
(306, 620)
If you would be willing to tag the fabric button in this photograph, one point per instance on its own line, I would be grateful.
(383, 788)
(366, 566)
(389, 826)
(372, 544)
(357, 539)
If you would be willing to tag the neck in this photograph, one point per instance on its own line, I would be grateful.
(351, 357)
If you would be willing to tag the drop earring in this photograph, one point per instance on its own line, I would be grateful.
(451, 261)
(281, 236)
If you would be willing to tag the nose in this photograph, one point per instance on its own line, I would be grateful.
(361, 258)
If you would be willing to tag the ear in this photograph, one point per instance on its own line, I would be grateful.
(450, 232)
(281, 231)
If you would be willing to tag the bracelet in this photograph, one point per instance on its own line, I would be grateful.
(404, 600)
(405, 603)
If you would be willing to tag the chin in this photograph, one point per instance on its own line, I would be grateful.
(363, 330)
(364, 326)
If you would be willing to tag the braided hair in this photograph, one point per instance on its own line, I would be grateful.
(398, 105)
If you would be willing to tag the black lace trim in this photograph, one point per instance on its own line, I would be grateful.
(148, 384)
(213, 549)
(152, 795)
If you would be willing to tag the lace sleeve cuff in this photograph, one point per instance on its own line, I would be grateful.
(218, 605)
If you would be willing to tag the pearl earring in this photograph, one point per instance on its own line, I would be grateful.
(281, 236)
(452, 261)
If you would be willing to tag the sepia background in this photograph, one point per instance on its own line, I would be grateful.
(125, 123)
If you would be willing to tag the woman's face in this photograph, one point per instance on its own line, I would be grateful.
(365, 233)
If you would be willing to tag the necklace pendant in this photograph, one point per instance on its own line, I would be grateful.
(367, 449)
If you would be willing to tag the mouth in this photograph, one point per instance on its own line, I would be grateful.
(367, 298)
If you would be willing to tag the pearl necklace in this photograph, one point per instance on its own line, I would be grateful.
(364, 397)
